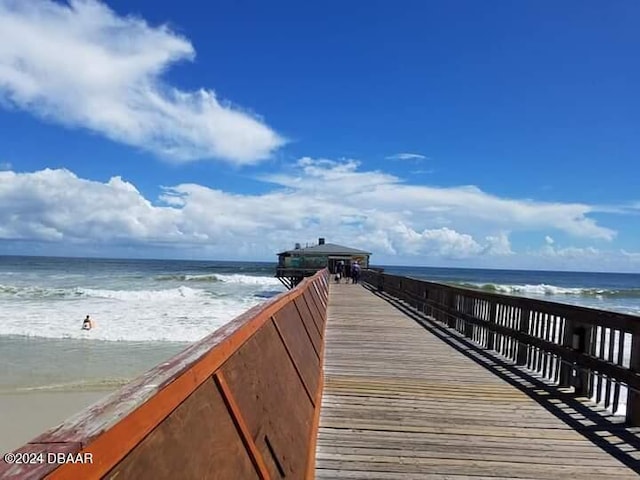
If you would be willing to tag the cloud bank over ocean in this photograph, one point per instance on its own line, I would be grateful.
(364, 208)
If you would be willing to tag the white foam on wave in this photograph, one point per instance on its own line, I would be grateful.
(168, 294)
(42, 293)
(141, 311)
(208, 277)
(541, 289)
(201, 278)
(547, 289)
(35, 292)
(233, 278)
(625, 300)
(181, 314)
(248, 279)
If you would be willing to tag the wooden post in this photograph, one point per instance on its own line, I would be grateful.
(521, 358)
(491, 335)
(468, 310)
(412, 292)
(451, 319)
(442, 303)
(633, 398)
(566, 370)
(428, 309)
(581, 343)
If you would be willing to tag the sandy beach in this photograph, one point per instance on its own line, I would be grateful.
(45, 381)
(24, 416)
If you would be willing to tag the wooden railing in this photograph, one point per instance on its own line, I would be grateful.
(243, 403)
(596, 352)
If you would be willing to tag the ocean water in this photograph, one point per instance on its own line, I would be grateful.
(129, 300)
(145, 311)
(149, 310)
(618, 292)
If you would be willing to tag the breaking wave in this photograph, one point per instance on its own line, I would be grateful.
(181, 277)
(218, 277)
(32, 292)
(545, 289)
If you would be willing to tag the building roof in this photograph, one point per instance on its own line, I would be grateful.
(327, 249)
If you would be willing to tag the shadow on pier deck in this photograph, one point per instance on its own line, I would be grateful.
(406, 398)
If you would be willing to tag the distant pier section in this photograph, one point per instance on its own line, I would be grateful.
(296, 264)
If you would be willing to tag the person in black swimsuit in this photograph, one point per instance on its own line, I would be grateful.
(87, 324)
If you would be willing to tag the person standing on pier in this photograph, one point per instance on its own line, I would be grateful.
(339, 270)
(347, 272)
(355, 273)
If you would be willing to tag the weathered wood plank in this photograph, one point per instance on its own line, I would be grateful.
(330, 474)
(401, 466)
(401, 403)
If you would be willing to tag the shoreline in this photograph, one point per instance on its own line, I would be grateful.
(44, 381)
(24, 416)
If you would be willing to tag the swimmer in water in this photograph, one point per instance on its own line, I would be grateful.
(87, 324)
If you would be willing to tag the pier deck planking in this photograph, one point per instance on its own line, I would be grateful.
(402, 401)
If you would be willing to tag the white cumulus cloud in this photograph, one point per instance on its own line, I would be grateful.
(81, 65)
(315, 197)
(440, 242)
(498, 244)
(570, 252)
(630, 255)
(57, 205)
(406, 156)
(466, 206)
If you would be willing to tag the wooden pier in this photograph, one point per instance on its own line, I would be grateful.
(395, 379)
(406, 398)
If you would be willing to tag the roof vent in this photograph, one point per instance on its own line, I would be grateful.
(321, 241)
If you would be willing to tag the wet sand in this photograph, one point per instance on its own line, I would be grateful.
(24, 416)
(45, 381)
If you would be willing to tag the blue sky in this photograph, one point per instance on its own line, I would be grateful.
(446, 133)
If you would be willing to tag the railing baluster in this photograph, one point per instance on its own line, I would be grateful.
(601, 356)
(619, 359)
(633, 397)
(607, 396)
(583, 379)
(538, 334)
(547, 336)
(501, 323)
(523, 348)
(593, 351)
(532, 350)
(548, 374)
(515, 321)
(566, 370)
(491, 335)
(555, 370)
